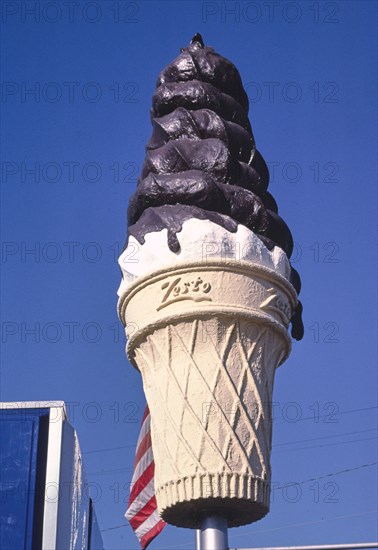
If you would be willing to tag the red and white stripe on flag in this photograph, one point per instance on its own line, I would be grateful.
(142, 509)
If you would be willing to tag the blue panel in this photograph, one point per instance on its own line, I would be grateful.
(73, 516)
(22, 482)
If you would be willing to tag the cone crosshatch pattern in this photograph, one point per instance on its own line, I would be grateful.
(223, 440)
(208, 372)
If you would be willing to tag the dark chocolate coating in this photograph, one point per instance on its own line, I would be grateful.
(201, 160)
(198, 95)
(196, 188)
(202, 124)
(211, 156)
(198, 62)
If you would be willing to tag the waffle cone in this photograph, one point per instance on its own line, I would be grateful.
(207, 341)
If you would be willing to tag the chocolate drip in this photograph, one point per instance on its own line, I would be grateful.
(172, 217)
(201, 160)
(196, 188)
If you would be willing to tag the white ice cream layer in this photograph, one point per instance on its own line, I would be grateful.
(200, 240)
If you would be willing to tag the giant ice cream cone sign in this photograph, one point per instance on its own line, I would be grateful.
(208, 295)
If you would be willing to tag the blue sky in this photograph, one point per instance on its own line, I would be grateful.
(310, 72)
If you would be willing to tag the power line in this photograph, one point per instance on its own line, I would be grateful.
(116, 527)
(325, 437)
(331, 474)
(276, 445)
(283, 527)
(122, 470)
(347, 516)
(297, 524)
(327, 444)
(115, 471)
(333, 414)
(109, 449)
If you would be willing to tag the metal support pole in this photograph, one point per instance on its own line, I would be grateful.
(214, 533)
(198, 539)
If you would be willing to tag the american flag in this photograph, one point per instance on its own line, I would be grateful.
(142, 509)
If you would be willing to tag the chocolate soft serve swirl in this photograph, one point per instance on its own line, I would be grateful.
(201, 160)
